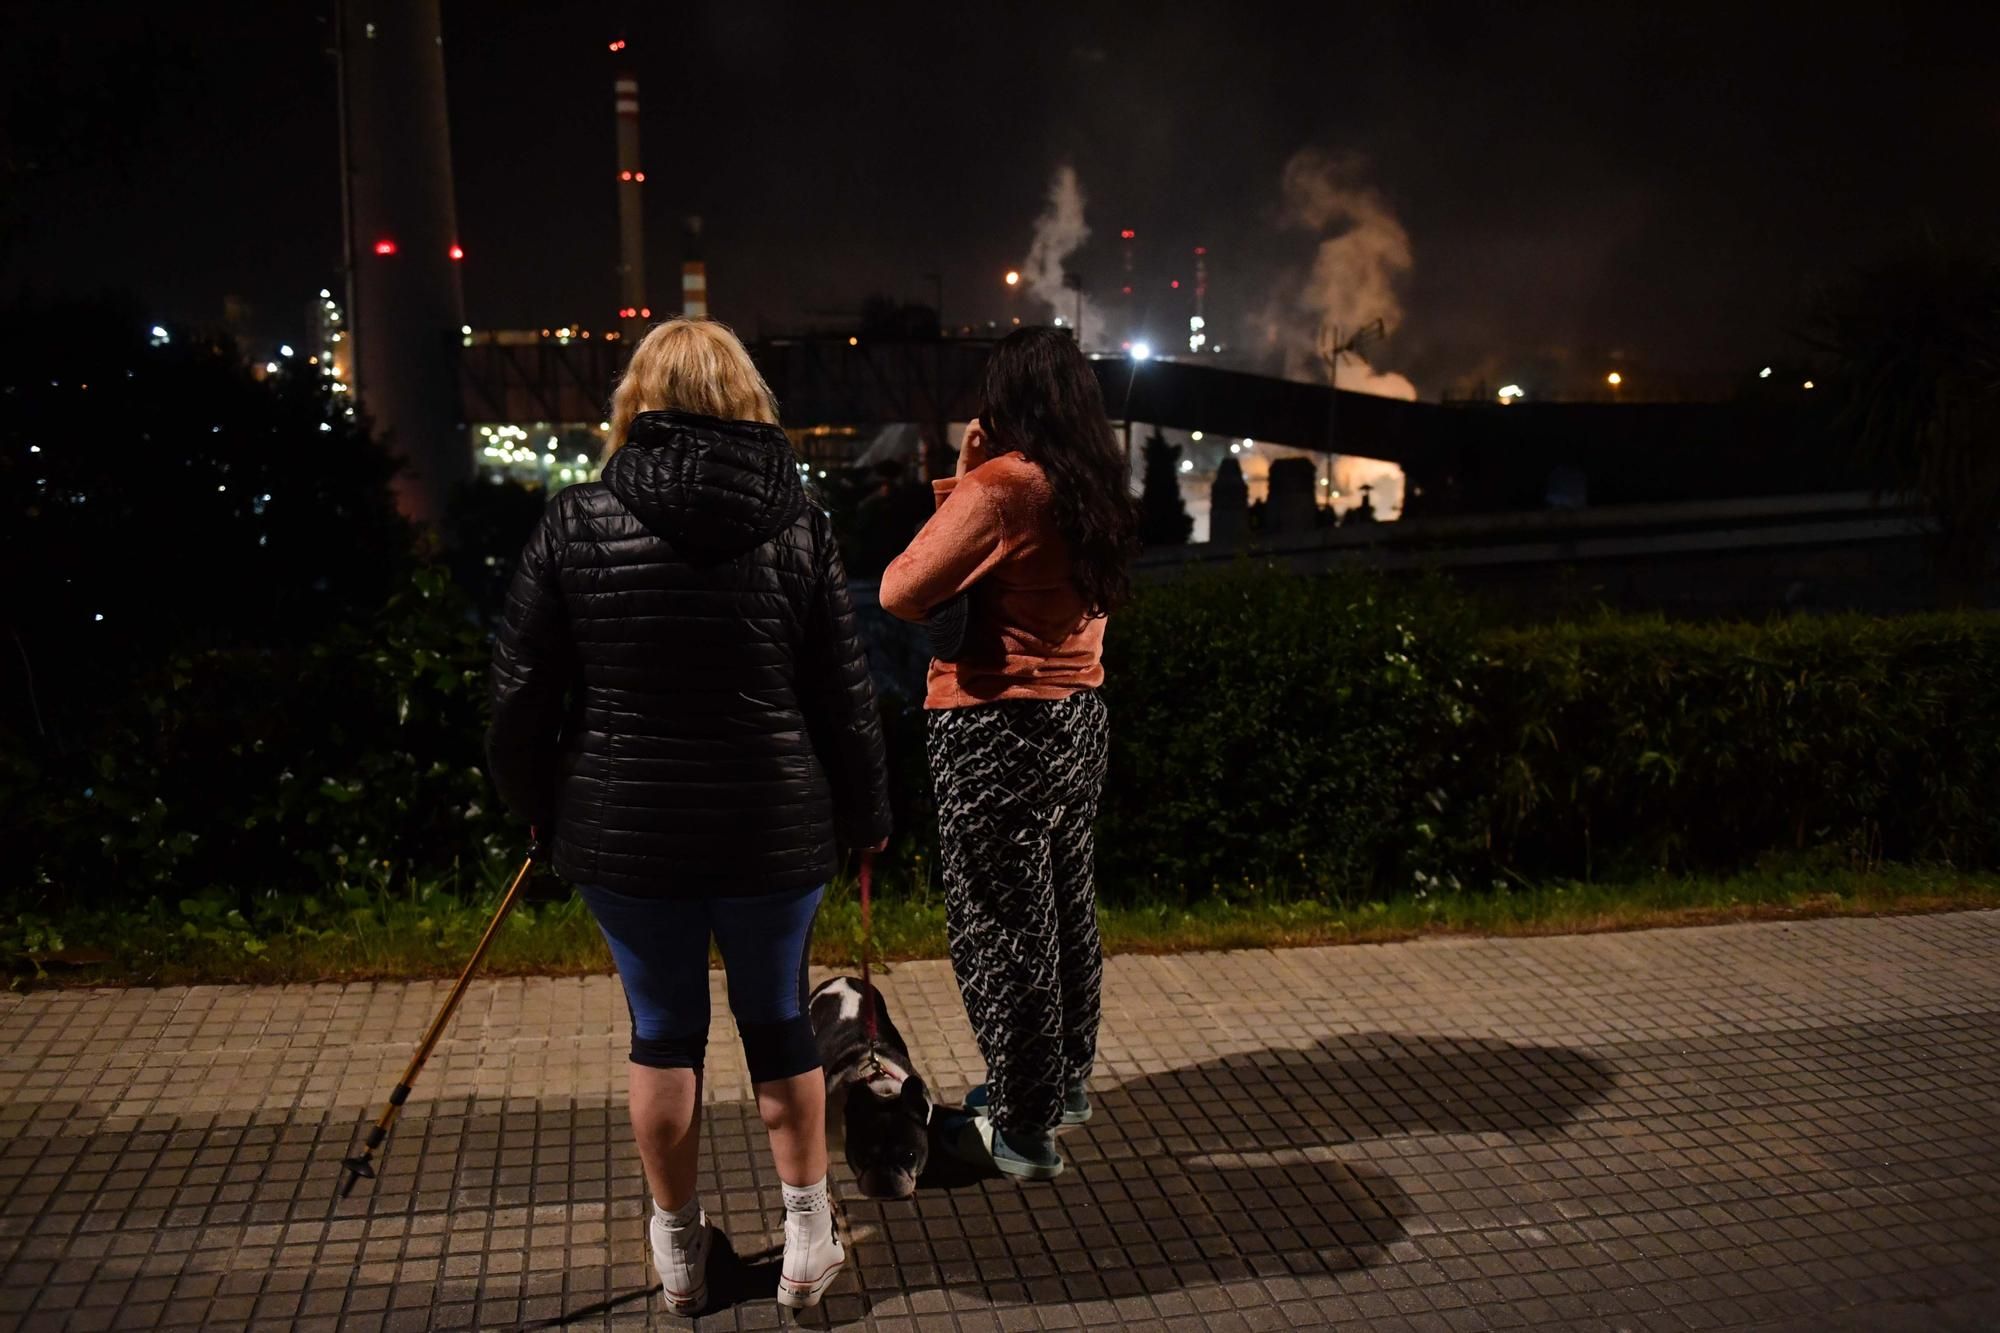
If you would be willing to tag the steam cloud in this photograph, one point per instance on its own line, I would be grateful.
(1352, 283)
(1353, 278)
(1059, 232)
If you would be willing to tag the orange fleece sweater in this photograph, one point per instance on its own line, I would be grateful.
(1028, 635)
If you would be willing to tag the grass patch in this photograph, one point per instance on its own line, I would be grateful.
(375, 933)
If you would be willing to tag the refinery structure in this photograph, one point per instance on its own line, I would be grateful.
(884, 395)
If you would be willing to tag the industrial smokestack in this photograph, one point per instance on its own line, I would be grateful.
(633, 307)
(404, 302)
(694, 275)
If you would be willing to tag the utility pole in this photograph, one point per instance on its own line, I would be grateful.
(1331, 348)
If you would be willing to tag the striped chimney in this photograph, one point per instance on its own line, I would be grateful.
(634, 310)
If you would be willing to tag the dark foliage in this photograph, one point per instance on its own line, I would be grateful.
(1281, 735)
(1916, 342)
(160, 498)
(1163, 516)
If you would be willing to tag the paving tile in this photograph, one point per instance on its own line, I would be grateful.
(1780, 1126)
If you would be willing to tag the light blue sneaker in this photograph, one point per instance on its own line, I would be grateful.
(975, 1141)
(1076, 1103)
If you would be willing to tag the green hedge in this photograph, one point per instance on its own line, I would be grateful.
(1276, 734)
(1623, 745)
(234, 775)
(1345, 738)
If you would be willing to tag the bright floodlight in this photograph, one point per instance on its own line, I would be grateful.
(1013, 277)
(1614, 379)
(1509, 392)
(1142, 351)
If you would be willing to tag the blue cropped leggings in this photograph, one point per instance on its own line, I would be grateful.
(661, 948)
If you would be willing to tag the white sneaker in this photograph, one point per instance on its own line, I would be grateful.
(682, 1261)
(812, 1260)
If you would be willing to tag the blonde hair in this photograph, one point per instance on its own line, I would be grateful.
(692, 365)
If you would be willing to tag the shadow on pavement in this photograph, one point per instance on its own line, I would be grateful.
(1219, 1171)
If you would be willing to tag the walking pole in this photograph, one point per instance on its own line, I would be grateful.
(364, 1165)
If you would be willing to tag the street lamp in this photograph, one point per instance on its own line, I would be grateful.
(1013, 277)
(1614, 379)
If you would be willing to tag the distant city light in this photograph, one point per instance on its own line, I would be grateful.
(1509, 393)
(1764, 374)
(457, 251)
(1059, 321)
(34, 448)
(1235, 448)
(1195, 435)
(1614, 379)
(853, 341)
(284, 349)
(1013, 277)
(270, 367)
(465, 328)
(1142, 351)
(1809, 384)
(159, 335)
(324, 294)
(1187, 465)
(98, 616)
(326, 425)
(1249, 443)
(385, 246)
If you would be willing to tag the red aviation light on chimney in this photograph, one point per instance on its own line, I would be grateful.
(457, 252)
(618, 45)
(385, 246)
(645, 312)
(1201, 249)
(1175, 284)
(624, 175)
(1127, 234)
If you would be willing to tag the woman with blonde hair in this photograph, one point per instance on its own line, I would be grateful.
(682, 711)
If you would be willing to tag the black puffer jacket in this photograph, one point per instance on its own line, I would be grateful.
(679, 695)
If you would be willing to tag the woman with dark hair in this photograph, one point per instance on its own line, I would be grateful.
(1036, 532)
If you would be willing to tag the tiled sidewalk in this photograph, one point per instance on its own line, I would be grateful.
(1774, 1126)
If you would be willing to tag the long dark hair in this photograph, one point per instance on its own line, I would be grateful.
(1041, 397)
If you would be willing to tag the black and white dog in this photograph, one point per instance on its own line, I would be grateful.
(887, 1109)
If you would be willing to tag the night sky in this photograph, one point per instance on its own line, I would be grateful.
(1577, 182)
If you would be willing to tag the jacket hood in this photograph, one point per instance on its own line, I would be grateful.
(712, 488)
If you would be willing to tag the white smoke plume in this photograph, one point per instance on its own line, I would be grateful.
(1352, 283)
(1059, 232)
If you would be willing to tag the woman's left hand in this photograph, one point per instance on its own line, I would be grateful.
(972, 449)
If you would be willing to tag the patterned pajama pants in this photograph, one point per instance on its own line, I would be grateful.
(1017, 785)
